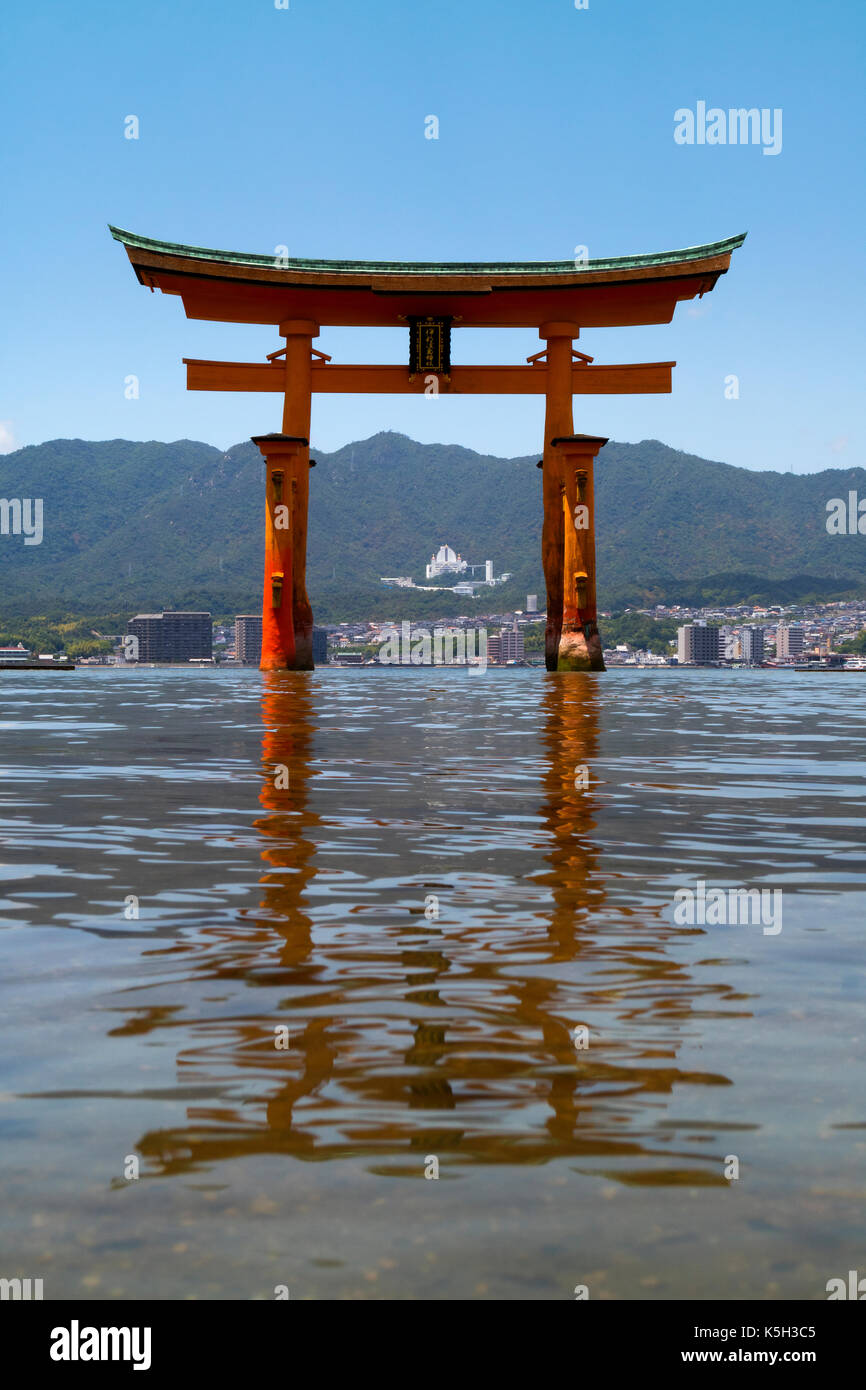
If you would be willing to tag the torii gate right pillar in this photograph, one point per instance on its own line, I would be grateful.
(572, 642)
(287, 618)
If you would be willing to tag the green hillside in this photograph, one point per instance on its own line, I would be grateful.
(131, 526)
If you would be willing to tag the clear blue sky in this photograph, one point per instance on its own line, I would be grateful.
(305, 127)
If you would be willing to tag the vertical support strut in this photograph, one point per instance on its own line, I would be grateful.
(299, 335)
(286, 458)
(558, 422)
(579, 647)
(568, 535)
(287, 618)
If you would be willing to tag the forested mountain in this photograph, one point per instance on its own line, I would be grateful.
(131, 526)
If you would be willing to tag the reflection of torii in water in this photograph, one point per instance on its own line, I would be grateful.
(288, 744)
(277, 945)
(618, 1074)
(504, 1037)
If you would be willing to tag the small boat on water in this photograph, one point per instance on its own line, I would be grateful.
(20, 658)
(37, 664)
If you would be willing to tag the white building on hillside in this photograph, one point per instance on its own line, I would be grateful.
(445, 561)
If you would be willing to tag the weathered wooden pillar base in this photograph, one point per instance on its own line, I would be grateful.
(579, 652)
(573, 653)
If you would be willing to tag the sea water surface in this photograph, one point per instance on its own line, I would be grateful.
(423, 882)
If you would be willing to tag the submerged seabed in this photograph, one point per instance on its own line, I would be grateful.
(281, 836)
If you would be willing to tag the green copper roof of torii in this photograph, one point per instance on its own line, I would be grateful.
(201, 253)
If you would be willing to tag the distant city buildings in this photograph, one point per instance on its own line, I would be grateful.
(507, 645)
(170, 637)
(782, 635)
(698, 645)
(790, 640)
(513, 648)
(248, 638)
(320, 646)
(798, 636)
(752, 645)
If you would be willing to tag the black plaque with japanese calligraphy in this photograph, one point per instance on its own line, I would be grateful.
(430, 345)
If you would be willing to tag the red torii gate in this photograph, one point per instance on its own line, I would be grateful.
(556, 298)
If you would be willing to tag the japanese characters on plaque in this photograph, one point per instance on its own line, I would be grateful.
(430, 345)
